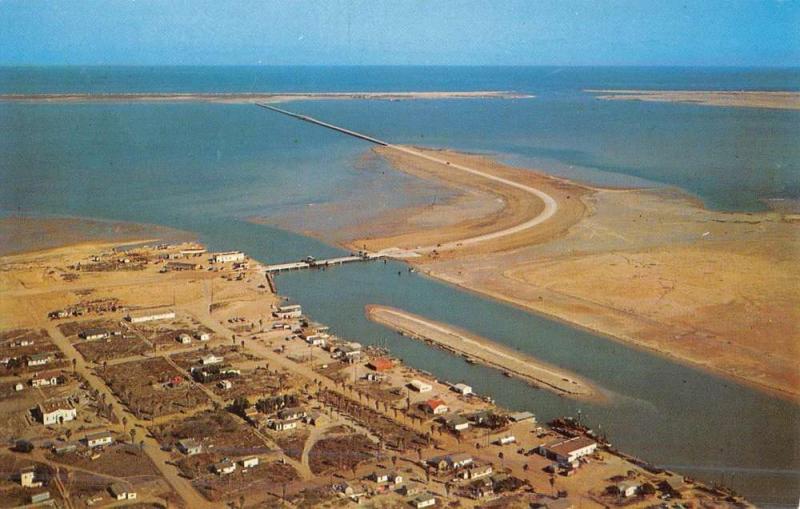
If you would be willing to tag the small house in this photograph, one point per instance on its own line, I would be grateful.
(210, 359)
(250, 462)
(411, 489)
(291, 413)
(121, 491)
(508, 439)
(38, 498)
(203, 336)
(184, 339)
(380, 364)
(420, 386)
(100, 439)
(27, 478)
(282, 424)
(435, 406)
(225, 385)
(47, 379)
(224, 467)
(567, 450)
(93, 334)
(288, 312)
(425, 500)
(386, 476)
(38, 359)
(463, 389)
(477, 471)
(627, 488)
(457, 423)
(228, 256)
(189, 447)
(56, 412)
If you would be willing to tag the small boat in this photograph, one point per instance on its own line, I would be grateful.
(471, 361)
(506, 373)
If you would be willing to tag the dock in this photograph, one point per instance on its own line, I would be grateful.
(312, 263)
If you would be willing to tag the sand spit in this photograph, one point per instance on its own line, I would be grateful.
(651, 268)
(251, 98)
(482, 350)
(748, 99)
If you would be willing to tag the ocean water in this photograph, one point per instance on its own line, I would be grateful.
(206, 168)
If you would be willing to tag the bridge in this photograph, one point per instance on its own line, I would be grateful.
(312, 120)
(311, 263)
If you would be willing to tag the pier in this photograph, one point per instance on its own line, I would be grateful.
(312, 263)
(312, 120)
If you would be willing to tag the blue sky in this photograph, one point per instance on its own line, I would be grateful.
(340, 32)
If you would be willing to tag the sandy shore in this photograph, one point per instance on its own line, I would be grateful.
(651, 268)
(251, 98)
(483, 350)
(754, 99)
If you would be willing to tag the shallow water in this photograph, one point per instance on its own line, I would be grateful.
(206, 167)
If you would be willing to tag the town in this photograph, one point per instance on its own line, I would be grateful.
(168, 376)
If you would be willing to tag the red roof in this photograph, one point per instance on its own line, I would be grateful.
(381, 364)
(435, 403)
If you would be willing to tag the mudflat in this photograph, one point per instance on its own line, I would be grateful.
(650, 267)
(737, 99)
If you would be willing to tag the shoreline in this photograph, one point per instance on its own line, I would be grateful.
(252, 98)
(484, 351)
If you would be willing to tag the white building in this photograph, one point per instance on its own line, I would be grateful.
(420, 386)
(628, 488)
(228, 256)
(150, 316)
(56, 412)
(283, 425)
(250, 462)
(288, 311)
(184, 339)
(27, 478)
(225, 385)
(189, 447)
(510, 439)
(120, 491)
(207, 360)
(224, 467)
(463, 389)
(426, 500)
(203, 336)
(100, 439)
(39, 359)
(567, 450)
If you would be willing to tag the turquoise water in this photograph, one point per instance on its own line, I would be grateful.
(206, 167)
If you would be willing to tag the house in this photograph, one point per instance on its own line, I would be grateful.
(457, 423)
(38, 359)
(288, 311)
(521, 417)
(425, 500)
(224, 467)
(463, 389)
(480, 417)
(184, 339)
(672, 484)
(420, 386)
(225, 385)
(38, 498)
(181, 266)
(189, 447)
(100, 439)
(386, 476)
(509, 439)
(380, 364)
(411, 489)
(567, 450)
(451, 461)
(27, 478)
(150, 316)
(291, 413)
(121, 491)
(315, 340)
(482, 488)
(476, 471)
(227, 256)
(435, 406)
(352, 490)
(250, 462)
(65, 448)
(92, 334)
(202, 336)
(207, 360)
(627, 488)
(56, 412)
(18, 386)
(46, 379)
(350, 352)
(282, 425)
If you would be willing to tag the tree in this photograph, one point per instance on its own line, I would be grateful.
(132, 433)
(74, 364)
(124, 424)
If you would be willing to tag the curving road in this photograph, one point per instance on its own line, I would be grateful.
(550, 204)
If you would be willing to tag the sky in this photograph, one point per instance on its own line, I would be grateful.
(410, 32)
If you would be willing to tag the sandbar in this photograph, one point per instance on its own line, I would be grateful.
(736, 99)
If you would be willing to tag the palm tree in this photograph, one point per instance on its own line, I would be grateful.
(74, 363)
(133, 435)
(124, 424)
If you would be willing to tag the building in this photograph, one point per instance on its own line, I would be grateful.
(521, 417)
(380, 364)
(193, 251)
(92, 334)
(225, 385)
(65, 448)
(288, 311)
(476, 472)
(27, 478)
(38, 359)
(509, 439)
(435, 406)
(150, 316)
(420, 386)
(316, 339)
(567, 450)
(349, 352)
(189, 447)
(181, 266)
(207, 360)
(56, 412)
(463, 389)
(250, 462)
(99, 439)
(411, 489)
(46, 379)
(121, 491)
(386, 476)
(18, 386)
(479, 417)
(203, 336)
(184, 339)
(425, 500)
(627, 488)
(451, 461)
(227, 256)
(282, 425)
(224, 467)
(291, 413)
(457, 423)
(38, 498)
